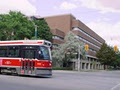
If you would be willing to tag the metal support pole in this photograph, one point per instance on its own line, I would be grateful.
(35, 32)
(78, 58)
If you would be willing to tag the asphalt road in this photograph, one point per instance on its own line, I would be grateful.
(64, 80)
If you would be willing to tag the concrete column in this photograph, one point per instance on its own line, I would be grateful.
(84, 66)
(76, 65)
(88, 66)
(92, 66)
(73, 65)
(96, 66)
(99, 66)
(80, 65)
(103, 67)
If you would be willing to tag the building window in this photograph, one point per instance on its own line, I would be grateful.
(58, 37)
(86, 41)
(55, 45)
(78, 29)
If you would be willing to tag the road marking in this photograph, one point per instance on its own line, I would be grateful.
(115, 86)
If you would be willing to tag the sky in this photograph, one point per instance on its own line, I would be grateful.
(102, 16)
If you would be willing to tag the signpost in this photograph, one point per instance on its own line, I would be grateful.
(115, 48)
(86, 48)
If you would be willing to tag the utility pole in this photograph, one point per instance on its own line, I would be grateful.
(35, 32)
(79, 58)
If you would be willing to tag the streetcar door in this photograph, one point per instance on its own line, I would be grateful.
(28, 61)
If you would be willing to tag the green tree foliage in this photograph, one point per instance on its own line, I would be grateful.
(106, 55)
(16, 26)
(69, 49)
(116, 63)
(43, 30)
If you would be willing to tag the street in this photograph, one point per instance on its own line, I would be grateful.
(64, 80)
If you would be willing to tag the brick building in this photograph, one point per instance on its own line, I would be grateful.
(60, 25)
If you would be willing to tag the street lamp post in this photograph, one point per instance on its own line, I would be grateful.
(35, 32)
(78, 58)
(35, 26)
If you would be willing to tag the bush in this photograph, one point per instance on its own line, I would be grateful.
(62, 68)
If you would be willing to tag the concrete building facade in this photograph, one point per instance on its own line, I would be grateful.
(60, 25)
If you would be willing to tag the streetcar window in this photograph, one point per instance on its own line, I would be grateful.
(13, 51)
(29, 47)
(44, 53)
(31, 54)
(3, 51)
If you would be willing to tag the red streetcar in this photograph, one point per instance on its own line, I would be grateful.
(26, 57)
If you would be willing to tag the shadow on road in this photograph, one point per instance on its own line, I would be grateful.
(27, 76)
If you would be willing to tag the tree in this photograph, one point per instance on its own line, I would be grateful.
(106, 55)
(69, 49)
(116, 63)
(58, 56)
(43, 29)
(16, 26)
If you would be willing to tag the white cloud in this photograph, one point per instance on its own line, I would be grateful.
(103, 19)
(102, 5)
(33, 1)
(18, 5)
(66, 6)
(110, 32)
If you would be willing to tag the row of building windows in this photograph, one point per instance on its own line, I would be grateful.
(77, 28)
(81, 38)
(55, 45)
(91, 59)
(92, 50)
(57, 37)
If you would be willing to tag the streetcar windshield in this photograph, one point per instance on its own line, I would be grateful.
(44, 53)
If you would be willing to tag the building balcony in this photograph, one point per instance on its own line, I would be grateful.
(58, 32)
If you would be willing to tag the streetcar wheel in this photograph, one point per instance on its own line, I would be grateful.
(0, 70)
